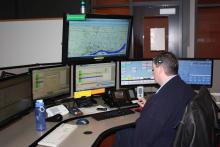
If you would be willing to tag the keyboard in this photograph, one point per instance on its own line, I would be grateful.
(57, 136)
(111, 114)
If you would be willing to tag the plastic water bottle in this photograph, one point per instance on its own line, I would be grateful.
(83, 6)
(40, 115)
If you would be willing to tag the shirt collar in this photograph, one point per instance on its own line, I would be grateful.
(169, 78)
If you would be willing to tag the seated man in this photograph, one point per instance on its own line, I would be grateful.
(156, 126)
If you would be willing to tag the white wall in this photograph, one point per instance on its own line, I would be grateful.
(30, 41)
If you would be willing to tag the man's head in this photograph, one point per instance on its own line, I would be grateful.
(164, 65)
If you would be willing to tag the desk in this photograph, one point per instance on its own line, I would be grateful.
(22, 133)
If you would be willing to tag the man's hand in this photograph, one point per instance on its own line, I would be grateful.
(141, 102)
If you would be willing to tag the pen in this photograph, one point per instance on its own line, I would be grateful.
(101, 109)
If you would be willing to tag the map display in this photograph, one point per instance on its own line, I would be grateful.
(97, 37)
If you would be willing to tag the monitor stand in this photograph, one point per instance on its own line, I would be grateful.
(85, 102)
(57, 101)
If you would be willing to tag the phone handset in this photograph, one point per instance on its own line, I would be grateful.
(140, 92)
(131, 94)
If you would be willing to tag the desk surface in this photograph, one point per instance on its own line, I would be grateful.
(79, 139)
(22, 132)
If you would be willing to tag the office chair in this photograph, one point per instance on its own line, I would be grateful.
(199, 125)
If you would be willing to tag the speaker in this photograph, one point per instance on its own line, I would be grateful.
(140, 91)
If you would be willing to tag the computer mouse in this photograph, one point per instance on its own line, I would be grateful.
(55, 118)
(82, 121)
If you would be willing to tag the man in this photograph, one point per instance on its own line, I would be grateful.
(161, 114)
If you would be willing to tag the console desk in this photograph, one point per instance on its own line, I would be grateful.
(22, 132)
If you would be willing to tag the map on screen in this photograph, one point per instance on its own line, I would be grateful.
(95, 37)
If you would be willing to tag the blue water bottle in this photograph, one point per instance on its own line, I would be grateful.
(40, 115)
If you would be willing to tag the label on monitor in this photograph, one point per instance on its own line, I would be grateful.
(80, 94)
(76, 17)
(98, 91)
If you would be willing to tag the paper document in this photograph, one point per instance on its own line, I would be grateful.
(92, 110)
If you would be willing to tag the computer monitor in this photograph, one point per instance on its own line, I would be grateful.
(94, 76)
(15, 97)
(51, 82)
(136, 73)
(95, 37)
(196, 72)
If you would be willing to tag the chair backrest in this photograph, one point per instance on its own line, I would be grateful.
(199, 125)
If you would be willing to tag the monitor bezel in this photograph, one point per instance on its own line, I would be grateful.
(134, 85)
(52, 98)
(100, 62)
(197, 86)
(72, 60)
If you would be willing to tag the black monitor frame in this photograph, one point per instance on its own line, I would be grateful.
(197, 86)
(134, 85)
(73, 60)
(100, 62)
(52, 99)
(26, 110)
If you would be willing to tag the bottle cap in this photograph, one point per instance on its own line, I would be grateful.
(39, 103)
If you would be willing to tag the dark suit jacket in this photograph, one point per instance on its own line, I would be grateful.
(156, 126)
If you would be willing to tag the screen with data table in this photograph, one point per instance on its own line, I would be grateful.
(15, 97)
(94, 76)
(136, 72)
(196, 71)
(50, 82)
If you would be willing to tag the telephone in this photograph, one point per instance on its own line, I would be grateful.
(128, 94)
(59, 109)
(120, 97)
(132, 94)
(140, 91)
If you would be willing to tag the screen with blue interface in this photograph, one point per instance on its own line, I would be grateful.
(94, 76)
(50, 82)
(97, 37)
(196, 71)
(136, 72)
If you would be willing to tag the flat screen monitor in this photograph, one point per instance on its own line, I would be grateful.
(15, 97)
(95, 76)
(196, 72)
(51, 82)
(95, 37)
(136, 72)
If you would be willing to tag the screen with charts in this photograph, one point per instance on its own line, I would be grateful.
(96, 37)
(196, 71)
(50, 82)
(95, 76)
(136, 72)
